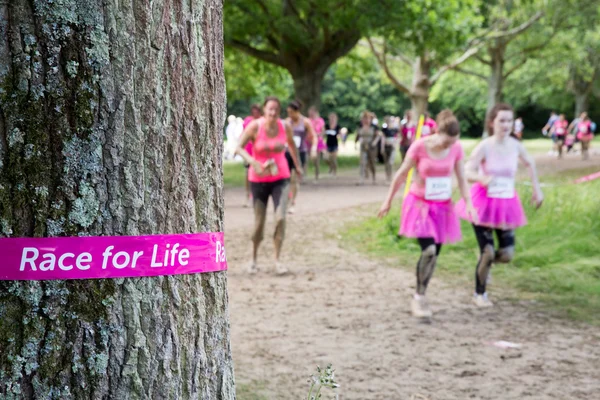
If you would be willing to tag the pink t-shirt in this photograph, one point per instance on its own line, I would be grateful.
(429, 127)
(263, 150)
(318, 125)
(428, 167)
(408, 134)
(560, 127)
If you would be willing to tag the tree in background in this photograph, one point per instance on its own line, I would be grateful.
(305, 37)
(424, 40)
(110, 124)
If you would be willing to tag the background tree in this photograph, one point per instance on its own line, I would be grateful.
(303, 36)
(429, 38)
(110, 124)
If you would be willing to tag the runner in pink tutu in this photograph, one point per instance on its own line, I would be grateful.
(493, 166)
(585, 135)
(427, 212)
(255, 113)
(319, 127)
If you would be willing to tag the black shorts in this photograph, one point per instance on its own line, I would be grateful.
(332, 149)
(301, 154)
(262, 190)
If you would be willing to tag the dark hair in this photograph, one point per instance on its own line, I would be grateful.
(256, 106)
(272, 98)
(493, 113)
(447, 123)
(295, 105)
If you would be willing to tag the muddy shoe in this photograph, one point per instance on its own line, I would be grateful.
(281, 269)
(482, 301)
(252, 268)
(420, 308)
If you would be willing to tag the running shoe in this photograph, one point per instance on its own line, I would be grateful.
(291, 210)
(252, 268)
(420, 308)
(280, 268)
(482, 301)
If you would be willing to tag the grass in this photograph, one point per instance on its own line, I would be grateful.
(556, 259)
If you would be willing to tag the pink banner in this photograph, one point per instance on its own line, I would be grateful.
(111, 256)
(588, 178)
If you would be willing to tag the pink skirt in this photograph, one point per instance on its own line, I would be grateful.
(494, 213)
(585, 137)
(429, 219)
(321, 144)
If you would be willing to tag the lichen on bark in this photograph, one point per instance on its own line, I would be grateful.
(111, 116)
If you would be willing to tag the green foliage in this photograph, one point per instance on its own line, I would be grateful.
(556, 253)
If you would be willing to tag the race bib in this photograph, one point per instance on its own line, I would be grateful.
(560, 131)
(297, 141)
(438, 188)
(331, 132)
(501, 188)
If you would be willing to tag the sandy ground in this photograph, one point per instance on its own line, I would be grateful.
(340, 307)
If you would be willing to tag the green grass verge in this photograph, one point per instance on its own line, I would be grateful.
(250, 391)
(556, 260)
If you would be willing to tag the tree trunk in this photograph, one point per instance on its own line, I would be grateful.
(307, 88)
(419, 91)
(111, 116)
(582, 102)
(496, 78)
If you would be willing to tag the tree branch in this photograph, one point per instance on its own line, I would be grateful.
(515, 67)
(381, 59)
(469, 72)
(396, 57)
(266, 56)
(482, 60)
(510, 34)
(464, 57)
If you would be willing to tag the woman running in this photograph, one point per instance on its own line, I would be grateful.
(318, 125)
(332, 131)
(559, 130)
(255, 113)
(390, 135)
(369, 137)
(303, 135)
(269, 174)
(408, 133)
(427, 212)
(493, 166)
(585, 135)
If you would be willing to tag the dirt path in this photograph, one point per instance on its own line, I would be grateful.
(344, 308)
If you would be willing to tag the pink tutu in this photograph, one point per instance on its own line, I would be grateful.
(429, 219)
(321, 144)
(493, 213)
(585, 137)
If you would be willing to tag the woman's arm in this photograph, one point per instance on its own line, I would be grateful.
(537, 195)
(247, 135)
(463, 187)
(311, 135)
(472, 166)
(399, 179)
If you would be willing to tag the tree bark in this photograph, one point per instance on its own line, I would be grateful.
(419, 91)
(582, 102)
(496, 78)
(111, 116)
(307, 88)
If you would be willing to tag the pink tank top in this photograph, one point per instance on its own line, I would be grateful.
(246, 122)
(502, 164)
(263, 147)
(428, 167)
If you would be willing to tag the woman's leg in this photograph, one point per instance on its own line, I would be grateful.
(280, 197)
(260, 194)
(363, 163)
(487, 256)
(506, 246)
(334, 161)
(425, 267)
(372, 159)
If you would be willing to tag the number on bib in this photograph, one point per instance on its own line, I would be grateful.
(501, 188)
(438, 188)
